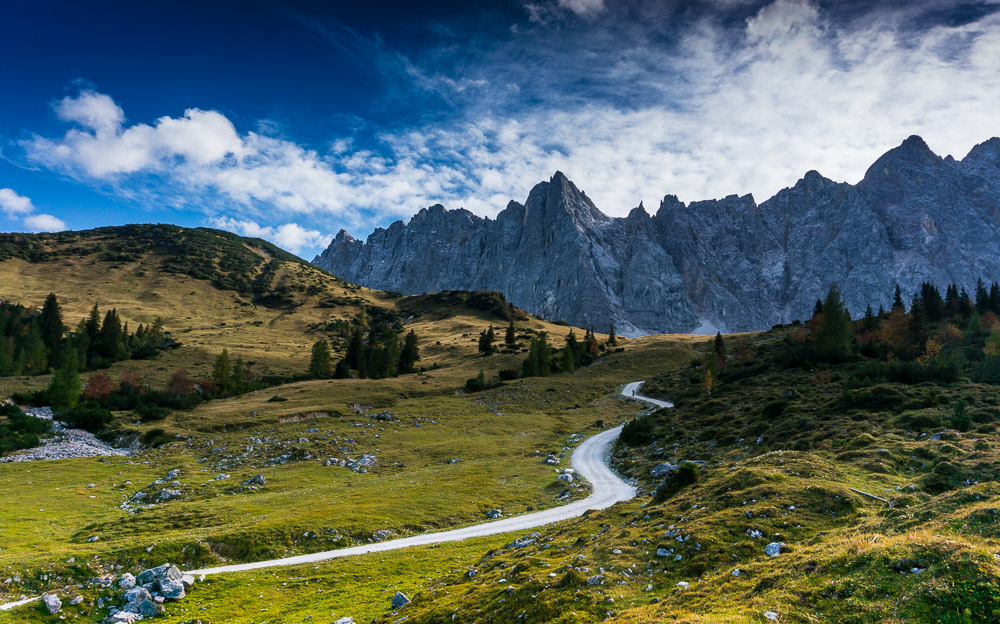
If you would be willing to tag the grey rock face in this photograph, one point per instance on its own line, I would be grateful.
(730, 264)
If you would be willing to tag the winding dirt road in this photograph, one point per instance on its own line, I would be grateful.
(589, 460)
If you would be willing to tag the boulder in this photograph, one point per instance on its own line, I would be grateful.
(150, 609)
(399, 600)
(345, 620)
(256, 480)
(188, 581)
(566, 477)
(774, 549)
(662, 552)
(493, 514)
(127, 581)
(76, 600)
(166, 494)
(172, 475)
(171, 589)
(663, 469)
(52, 603)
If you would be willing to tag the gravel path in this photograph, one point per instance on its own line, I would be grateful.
(589, 460)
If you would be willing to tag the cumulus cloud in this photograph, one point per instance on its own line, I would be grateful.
(44, 223)
(16, 206)
(632, 106)
(290, 236)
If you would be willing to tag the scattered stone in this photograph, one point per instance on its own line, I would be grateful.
(771, 615)
(595, 580)
(774, 548)
(662, 552)
(76, 600)
(737, 572)
(568, 478)
(256, 480)
(52, 603)
(127, 581)
(493, 514)
(345, 620)
(454, 461)
(381, 535)
(399, 600)
(683, 584)
(662, 470)
(172, 475)
(166, 494)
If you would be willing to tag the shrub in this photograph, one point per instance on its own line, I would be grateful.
(93, 419)
(156, 437)
(148, 413)
(686, 474)
(960, 418)
(637, 432)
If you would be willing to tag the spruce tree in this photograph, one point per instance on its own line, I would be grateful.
(222, 372)
(567, 363)
(319, 362)
(833, 336)
(410, 353)
(544, 355)
(51, 325)
(356, 348)
(486, 339)
(109, 341)
(612, 337)
(982, 297)
(573, 348)
(510, 338)
(995, 298)
(720, 349)
(65, 388)
(897, 299)
(239, 376)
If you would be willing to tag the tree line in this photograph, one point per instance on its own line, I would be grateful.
(35, 342)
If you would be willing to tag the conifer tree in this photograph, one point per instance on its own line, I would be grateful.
(818, 308)
(897, 299)
(356, 348)
(719, 346)
(568, 362)
(573, 347)
(51, 326)
(109, 340)
(612, 337)
(510, 338)
(995, 298)
(65, 388)
(222, 372)
(319, 362)
(410, 353)
(486, 339)
(982, 297)
(833, 336)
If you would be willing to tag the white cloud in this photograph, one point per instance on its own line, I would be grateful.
(583, 7)
(290, 236)
(16, 206)
(781, 17)
(710, 116)
(44, 223)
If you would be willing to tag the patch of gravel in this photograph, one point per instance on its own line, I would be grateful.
(64, 444)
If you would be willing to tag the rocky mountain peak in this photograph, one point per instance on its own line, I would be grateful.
(728, 263)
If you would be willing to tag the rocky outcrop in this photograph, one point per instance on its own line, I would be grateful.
(731, 263)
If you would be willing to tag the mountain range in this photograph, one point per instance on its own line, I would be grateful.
(729, 264)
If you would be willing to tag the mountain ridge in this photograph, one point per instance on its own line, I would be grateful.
(731, 263)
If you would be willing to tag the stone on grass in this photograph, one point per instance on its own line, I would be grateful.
(76, 600)
(256, 480)
(774, 549)
(493, 514)
(127, 581)
(166, 494)
(399, 600)
(52, 603)
(345, 620)
(171, 589)
(771, 615)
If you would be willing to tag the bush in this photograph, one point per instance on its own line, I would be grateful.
(477, 383)
(960, 418)
(686, 474)
(149, 413)
(637, 432)
(508, 374)
(92, 419)
(774, 408)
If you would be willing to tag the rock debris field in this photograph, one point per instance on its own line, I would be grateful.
(66, 443)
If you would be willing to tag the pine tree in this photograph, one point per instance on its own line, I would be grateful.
(510, 338)
(833, 336)
(94, 324)
(109, 340)
(612, 338)
(573, 348)
(410, 353)
(51, 325)
(982, 297)
(6, 356)
(720, 349)
(567, 364)
(897, 299)
(65, 388)
(486, 339)
(385, 358)
(995, 298)
(222, 372)
(544, 356)
(818, 308)
(356, 348)
(319, 363)
(239, 377)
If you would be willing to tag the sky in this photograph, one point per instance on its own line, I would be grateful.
(292, 120)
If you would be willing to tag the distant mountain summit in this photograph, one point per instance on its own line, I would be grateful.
(730, 264)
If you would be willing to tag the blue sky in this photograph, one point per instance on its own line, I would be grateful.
(293, 120)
